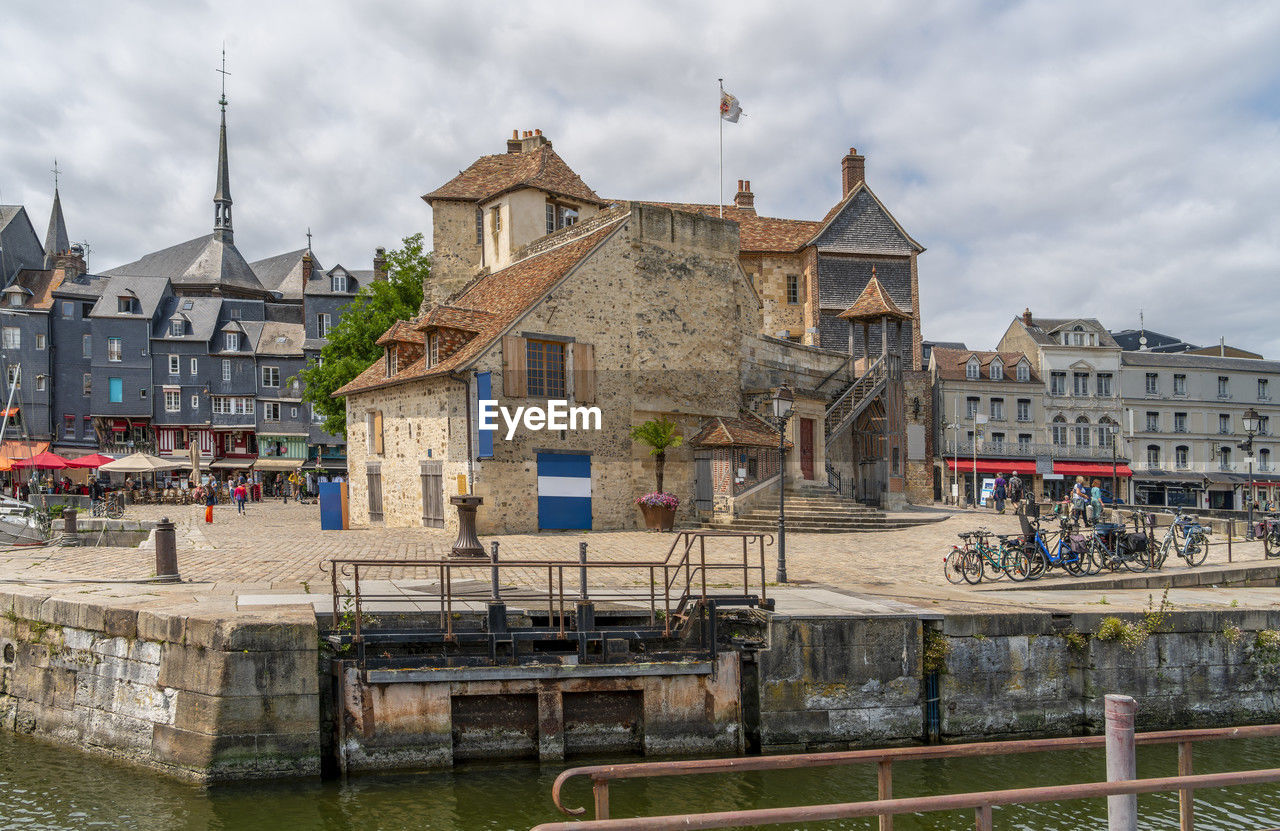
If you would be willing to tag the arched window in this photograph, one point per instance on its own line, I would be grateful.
(1182, 457)
(1059, 430)
(1082, 431)
(1105, 435)
(1153, 455)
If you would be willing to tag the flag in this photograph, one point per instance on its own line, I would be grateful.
(729, 107)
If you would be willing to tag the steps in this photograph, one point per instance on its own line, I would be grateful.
(814, 509)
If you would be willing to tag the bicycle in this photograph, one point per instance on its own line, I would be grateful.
(1110, 547)
(1047, 550)
(1270, 528)
(110, 507)
(1187, 538)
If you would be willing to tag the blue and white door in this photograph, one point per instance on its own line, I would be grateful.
(564, 491)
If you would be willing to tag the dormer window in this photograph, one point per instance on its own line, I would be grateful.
(973, 370)
(15, 298)
(231, 341)
(1024, 372)
(997, 371)
(338, 282)
(177, 328)
(125, 305)
(433, 349)
(393, 361)
(560, 216)
(187, 305)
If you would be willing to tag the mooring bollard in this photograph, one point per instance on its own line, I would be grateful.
(1122, 761)
(1231, 531)
(582, 569)
(493, 571)
(166, 552)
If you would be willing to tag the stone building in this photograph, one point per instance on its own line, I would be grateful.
(655, 309)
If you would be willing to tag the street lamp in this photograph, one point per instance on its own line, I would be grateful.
(1252, 426)
(1113, 430)
(783, 399)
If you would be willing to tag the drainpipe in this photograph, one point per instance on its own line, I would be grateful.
(465, 380)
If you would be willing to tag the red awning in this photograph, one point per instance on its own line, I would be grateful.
(1090, 469)
(988, 466)
(119, 425)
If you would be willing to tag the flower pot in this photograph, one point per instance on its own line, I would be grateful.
(658, 518)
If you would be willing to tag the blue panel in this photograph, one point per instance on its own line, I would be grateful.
(564, 512)
(484, 391)
(116, 389)
(331, 506)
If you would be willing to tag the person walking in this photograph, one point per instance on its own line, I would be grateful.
(1079, 499)
(240, 495)
(1000, 492)
(1016, 492)
(295, 485)
(1095, 501)
(209, 501)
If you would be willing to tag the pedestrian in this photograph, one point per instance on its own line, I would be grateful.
(209, 501)
(1016, 492)
(1000, 492)
(1079, 501)
(1095, 501)
(240, 494)
(295, 485)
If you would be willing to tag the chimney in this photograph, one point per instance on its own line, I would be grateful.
(745, 199)
(71, 262)
(513, 143)
(853, 171)
(380, 264)
(308, 265)
(1026, 317)
(532, 140)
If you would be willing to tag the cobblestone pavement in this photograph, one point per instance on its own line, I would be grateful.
(279, 547)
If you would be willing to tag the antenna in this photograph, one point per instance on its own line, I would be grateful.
(222, 101)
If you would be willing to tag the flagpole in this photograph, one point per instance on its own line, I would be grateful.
(720, 118)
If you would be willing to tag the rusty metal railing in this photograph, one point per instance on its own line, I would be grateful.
(663, 590)
(886, 806)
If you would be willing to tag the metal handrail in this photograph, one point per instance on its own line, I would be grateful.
(602, 775)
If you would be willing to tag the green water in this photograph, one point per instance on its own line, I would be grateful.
(46, 787)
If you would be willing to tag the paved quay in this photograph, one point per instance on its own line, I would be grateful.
(276, 553)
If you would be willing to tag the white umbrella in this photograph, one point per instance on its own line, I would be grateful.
(140, 463)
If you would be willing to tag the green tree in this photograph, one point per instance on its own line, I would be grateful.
(352, 345)
(660, 435)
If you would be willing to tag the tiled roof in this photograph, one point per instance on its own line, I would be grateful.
(874, 303)
(40, 283)
(756, 234)
(452, 317)
(281, 339)
(951, 365)
(503, 296)
(540, 168)
(401, 331)
(747, 430)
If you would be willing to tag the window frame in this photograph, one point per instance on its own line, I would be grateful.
(11, 337)
(86, 345)
(175, 364)
(545, 368)
(793, 290)
(226, 370)
(115, 350)
(271, 377)
(173, 401)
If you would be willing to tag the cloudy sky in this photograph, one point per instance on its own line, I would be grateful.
(1083, 158)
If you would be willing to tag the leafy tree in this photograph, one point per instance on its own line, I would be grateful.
(352, 345)
(660, 435)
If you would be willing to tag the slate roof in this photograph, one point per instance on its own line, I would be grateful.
(82, 286)
(841, 281)
(283, 273)
(951, 363)
(1042, 329)
(1130, 339)
(756, 234)
(747, 430)
(504, 295)
(861, 223)
(283, 339)
(150, 291)
(1187, 360)
(202, 318)
(252, 330)
(21, 246)
(321, 282)
(489, 176)
(874, 303)
(204, 262)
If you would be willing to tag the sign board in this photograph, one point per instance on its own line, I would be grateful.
(988, 487)
(1052, 476)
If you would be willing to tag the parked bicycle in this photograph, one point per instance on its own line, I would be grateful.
(1187, 538)
(111, 507)
(1269, 531)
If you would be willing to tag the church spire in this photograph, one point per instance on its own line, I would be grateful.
(56, 240)
(222, 194)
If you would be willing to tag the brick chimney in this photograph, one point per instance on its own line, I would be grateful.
(1026, 318)
(526, 141)
(853, 171)
(71, 262)
(745, 199)
(380, 264)
(308, 265)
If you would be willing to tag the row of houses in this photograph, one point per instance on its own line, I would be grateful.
(190, 350)
(1065, 397)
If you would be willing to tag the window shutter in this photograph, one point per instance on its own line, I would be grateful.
(515, 375)
(584, 373)
(377, 432)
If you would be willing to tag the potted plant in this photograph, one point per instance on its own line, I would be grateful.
(659, 507)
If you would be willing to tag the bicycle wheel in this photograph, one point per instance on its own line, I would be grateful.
(1271, 543)
(1017, 564)
(1134, 561)
(1197, 549)
(115, 510)
(972, 569)
(992, 564)
(953, 565)
(1101, 558)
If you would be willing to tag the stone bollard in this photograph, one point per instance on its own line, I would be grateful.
(166, 552)
(69, 536)
(1122, 761)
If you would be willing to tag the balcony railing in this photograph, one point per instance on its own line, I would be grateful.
(1029, 450)
(1216, 466)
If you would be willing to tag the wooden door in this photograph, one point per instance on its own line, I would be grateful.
(806, 448)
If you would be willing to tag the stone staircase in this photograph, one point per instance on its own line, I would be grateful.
(816, 509)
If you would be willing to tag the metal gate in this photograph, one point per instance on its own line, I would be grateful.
(564, 491)
(703, 486)
(432, 494)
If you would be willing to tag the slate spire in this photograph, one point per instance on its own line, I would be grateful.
(222, 194)
(56, 240)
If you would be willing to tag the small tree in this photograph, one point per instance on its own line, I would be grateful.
(660, 435)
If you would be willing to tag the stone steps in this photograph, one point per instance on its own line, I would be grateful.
(816, 509)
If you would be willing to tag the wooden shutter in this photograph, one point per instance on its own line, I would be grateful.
(584, 373)
(377, 432)
(515, 371)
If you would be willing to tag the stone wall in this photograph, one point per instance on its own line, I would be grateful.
(455, 257)
(211, 698)
(917, 386)
(769, 273)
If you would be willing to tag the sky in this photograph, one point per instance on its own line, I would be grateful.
(1092, 159)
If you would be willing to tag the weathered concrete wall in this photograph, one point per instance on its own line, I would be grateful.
(210, 697)
(411, 719)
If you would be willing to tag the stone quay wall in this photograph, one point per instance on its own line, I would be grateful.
(208, 697)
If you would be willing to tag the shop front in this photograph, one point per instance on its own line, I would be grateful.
(966, 476)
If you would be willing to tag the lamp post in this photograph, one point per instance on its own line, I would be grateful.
(1252, 425)
(783, 399)
(1113, 430)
